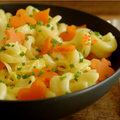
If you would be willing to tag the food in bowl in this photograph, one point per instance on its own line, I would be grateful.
(42, 58)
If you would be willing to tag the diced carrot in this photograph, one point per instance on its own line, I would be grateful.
(36, 91)
(1, 65)
(47, 46)
(106, 61)
(21, 18)
(42, 16)
(12, 37)
(46, 76)
(64, 48)
(69, 34)
(102, 68)
(82, 26)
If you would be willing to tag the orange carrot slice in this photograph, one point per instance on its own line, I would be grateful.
(47, 46)
(69, 34)
(12, 37)
(2, 65)
(102, 68)
(64, 48)
(21, 18)
(36, 91)
(47, 74)
(42, 16)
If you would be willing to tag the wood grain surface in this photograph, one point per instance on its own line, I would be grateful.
(107, 107)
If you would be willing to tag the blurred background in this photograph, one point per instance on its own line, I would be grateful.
(106, 9)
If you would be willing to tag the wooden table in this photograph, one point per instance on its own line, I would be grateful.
(107, 107)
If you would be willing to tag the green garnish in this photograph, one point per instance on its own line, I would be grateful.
(22, 54)
(18, 76)
(8, 25)
(7, 44)
(1, 81)
(81, 60)
(2, 48)
(106, 75)
(56, 58)
(8, 38)
(26, 38)
(40, 23)
(77, 75)
(32, 26)
(25, 76)
(96, 33)
(53, 69)
(23, 63)
(19, 68)
(19, 15)
(33, 74)
(48, 25)
(71, 65)
(11, 87)
(63, 77)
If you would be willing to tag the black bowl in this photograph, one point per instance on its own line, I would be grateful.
(57, 107)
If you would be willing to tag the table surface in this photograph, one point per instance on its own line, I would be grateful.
(107, 107)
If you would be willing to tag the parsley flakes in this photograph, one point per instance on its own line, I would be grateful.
(22, 54)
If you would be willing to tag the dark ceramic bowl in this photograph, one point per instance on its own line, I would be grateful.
(57, 107)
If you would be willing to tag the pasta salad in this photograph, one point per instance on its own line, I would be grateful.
(42, 58)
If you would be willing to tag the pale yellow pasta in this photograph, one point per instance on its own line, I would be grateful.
(72, 68)
(26, 30)
(29, 9)
(3, 91)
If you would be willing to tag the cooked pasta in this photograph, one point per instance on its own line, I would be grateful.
(46, 58)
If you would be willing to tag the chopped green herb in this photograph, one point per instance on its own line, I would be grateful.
(22, 54)
(96, 33)
(23, 63)
(31, 15)
(11, 87)
(47, 66)
(7, 44)
(26, 38)
(33, 74)
(27, 23)
(32, 26)
(40, 23)
(59, 44)
(84, 52)
(106, 75)
(19, 15)
(78, 50)
(41, 72)
(67, 92)
(38, 56)
(25, 76)
(8, 25)
(52, 28)
(33, 9)
(39, 30)
(16, 30)
(56, 58)
(57, 23)
(1, 81)
(53, 69)
(91, 43)
(38, 50)
(13, 45)
(8, 38)
(18, 76)
(53, 44)
(77, 75)
(2, 48)
(90, 32)
(71, 65)
(48, 25)
(34, 66)
(19, 68)
(49, 54)
(81, 60)
(63, 77)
